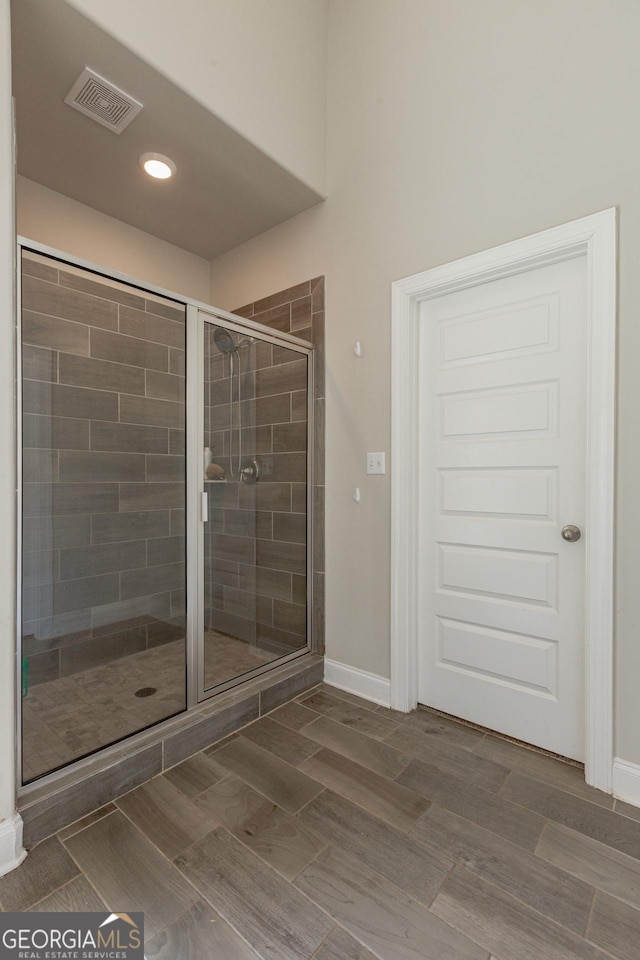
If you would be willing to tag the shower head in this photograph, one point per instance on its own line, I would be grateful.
(224, 341)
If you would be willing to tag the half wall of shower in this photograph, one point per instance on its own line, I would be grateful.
(167, 502)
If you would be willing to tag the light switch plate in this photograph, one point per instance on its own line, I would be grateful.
(376, 463)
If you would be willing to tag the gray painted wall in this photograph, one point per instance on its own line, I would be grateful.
(455, 126)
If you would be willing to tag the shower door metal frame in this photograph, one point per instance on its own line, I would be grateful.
(18, 516)
(194, 573)
(198, 319)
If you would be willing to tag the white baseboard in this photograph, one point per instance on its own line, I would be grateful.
(12, 852)
(364, 684)
(626, 781)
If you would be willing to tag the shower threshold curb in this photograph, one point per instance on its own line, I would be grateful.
(46, 807)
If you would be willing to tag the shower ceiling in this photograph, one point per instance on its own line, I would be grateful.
(227, 190)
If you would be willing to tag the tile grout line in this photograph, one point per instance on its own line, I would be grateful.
(221, 826)
(311, 799)
(305, 896)
(589, 914)
(177, 920)
(203, 897)
(525, 851)
(82, 873)
(398, 890)
(369, 948)
(565, 793)
(61, 886)
(338, 692)
(539, 841)
(279, 707)
(232, 773)
(173, 865)
(616, 801)
(252, 853)
(198, 796)
(500, 792)
(439, 890)
(324, 940)
(293, 729)
(542, 816)
(68, 883)
(527, 906)
(356, 729)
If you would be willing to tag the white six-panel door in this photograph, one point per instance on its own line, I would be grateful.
(502, 467)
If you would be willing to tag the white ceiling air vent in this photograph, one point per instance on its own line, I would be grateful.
(105, 103)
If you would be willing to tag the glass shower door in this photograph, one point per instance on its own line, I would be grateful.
(103, 588)
(255, 498)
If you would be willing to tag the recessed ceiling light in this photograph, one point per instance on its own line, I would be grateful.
(158, 166)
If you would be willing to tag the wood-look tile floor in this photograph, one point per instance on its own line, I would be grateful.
(74, 716)
(339, 830)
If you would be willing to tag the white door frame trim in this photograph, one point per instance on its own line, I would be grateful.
(594, 235)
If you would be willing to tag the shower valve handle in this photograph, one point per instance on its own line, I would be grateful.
(250, 473)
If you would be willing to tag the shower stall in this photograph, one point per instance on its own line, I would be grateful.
(166, 501)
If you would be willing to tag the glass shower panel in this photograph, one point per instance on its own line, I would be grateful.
(103, 494)
(255, 539)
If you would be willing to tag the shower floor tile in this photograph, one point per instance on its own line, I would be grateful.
(225, 658)
(69, 718)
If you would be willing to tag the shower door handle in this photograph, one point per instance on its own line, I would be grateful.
(205, 506)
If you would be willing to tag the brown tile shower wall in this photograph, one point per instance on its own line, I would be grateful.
(256, 537)
(103, 470)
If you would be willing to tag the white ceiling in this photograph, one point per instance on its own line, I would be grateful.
(225, 190)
